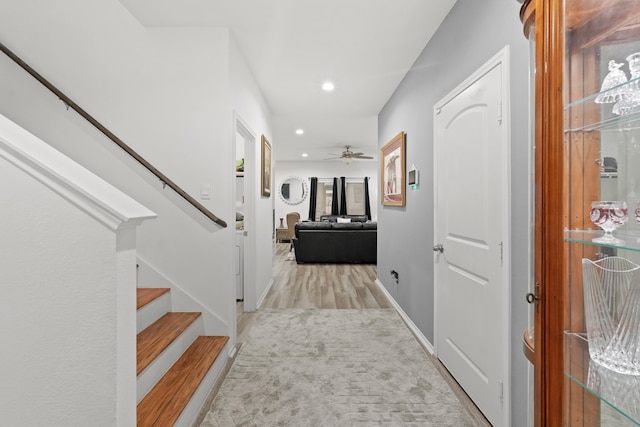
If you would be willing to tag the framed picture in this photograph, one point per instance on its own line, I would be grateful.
(392, 171)
(265, 176)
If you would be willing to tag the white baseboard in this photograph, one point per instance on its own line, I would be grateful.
(232, 352)
(412, 326)
(264, 294)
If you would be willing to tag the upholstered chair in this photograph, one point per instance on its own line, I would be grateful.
(292, 219)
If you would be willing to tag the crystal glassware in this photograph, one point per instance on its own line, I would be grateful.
(634, 67)
(611, 290)
(613, 88)
(630, 101)
(620, 390)
(608, 215)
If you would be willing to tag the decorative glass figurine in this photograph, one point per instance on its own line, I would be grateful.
(612, 89)
(630, 101)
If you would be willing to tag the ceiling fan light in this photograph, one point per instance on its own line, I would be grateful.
(347, 160)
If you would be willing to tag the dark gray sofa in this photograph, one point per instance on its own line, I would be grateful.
(331, 242)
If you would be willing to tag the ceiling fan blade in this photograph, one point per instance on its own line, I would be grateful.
(363, 157)
(332, 158)
(356, 154)
(331, 154)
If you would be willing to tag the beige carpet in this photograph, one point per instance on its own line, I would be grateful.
(303, 367)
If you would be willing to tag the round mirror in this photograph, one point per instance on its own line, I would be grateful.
(293, 190)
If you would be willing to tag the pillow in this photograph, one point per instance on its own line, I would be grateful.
(343, 220)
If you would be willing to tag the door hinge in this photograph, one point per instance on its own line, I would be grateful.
(501, 392)
(501, 253)
(499, 112)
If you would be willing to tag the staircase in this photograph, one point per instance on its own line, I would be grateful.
(176, 364)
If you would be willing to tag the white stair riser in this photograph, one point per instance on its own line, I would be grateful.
(153, 311)
(197, 400)
(150, 376)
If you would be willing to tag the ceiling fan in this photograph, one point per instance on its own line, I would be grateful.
(347, 155)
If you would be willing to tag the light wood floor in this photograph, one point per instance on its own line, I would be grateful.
(334, 286)
(339, 286)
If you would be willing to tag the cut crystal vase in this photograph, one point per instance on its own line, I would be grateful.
(612, 312)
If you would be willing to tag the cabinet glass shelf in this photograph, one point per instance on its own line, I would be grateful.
(620, 393)
(630, 83)
(629, 240)
(607, 120)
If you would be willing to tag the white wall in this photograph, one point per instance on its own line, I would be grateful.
(165, 92)
(58, 309)
(326, 169)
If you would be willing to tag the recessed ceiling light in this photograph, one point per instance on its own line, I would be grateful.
(328, 87)
(305, 155)
(299, 132)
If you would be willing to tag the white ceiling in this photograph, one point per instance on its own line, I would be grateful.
(293, 46)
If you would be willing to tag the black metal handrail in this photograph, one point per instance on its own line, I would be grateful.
(163, 178)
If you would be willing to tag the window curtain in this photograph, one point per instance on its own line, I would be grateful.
(343, 195)
(334, 198)
(313, 197)
(367, 204)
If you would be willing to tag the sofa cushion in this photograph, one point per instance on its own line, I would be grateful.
(346, 226)
(313, 226)
(370, 226)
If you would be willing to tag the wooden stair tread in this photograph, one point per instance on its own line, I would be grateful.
(166, 401)
(159, 335)
(146, 295)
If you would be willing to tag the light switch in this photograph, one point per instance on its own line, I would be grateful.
(205, 192)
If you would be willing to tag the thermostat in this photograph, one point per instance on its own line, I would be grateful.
(413, 178)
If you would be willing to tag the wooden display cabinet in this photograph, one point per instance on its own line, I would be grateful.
(577, 132)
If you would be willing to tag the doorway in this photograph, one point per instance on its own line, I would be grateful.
(472, 267)
(244, 141)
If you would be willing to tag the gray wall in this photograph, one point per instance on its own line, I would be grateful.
(472, 33)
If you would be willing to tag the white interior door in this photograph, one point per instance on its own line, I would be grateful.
(471, 227)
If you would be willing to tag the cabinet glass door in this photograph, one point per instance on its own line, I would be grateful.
(602, 213)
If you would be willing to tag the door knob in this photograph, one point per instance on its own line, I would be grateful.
(438, 248)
